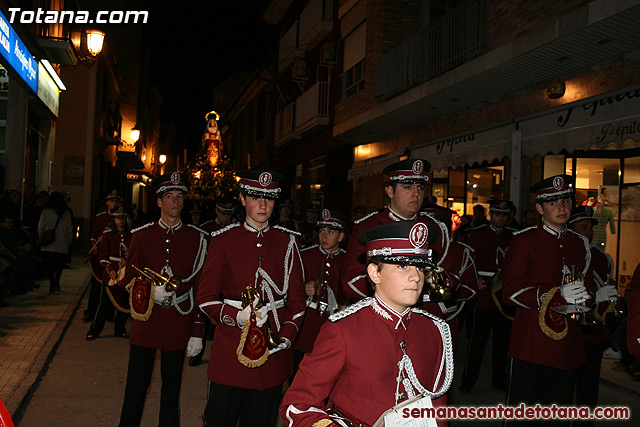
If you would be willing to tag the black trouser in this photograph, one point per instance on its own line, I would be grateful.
(254, 408)
(484, 320)
(141, 360)
(94, 298)
(54, 262)
(588, 381)
(105, 306)
(530, 383)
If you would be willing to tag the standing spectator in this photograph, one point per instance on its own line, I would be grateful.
(56, 216)
(19, 275)
(479, 216)
(512, 222)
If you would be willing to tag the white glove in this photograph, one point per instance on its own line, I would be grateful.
(243, 315)
(161, 295)
(285, 344)
(606, 293)
(262, 315)
(574, 293)
(194, 347)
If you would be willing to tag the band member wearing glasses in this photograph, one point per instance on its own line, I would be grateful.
(406, 190)
(163, 320)
(378, 352)
(246, 379)
(539, 280)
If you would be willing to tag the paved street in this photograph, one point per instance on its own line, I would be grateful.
(83, 384)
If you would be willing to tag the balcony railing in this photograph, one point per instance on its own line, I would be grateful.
(289, 48)
(316, 22)
(453, 40)
(312, 108)
(285, 122)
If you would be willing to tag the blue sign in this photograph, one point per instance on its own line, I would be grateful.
(17, 55)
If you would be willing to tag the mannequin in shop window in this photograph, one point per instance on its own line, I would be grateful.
(604, 217)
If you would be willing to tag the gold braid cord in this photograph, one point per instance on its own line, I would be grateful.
(147, 314)
(115, 303)
(497, 302)
(542, 312)
(602, 317)
(325, 422)
(249, 363)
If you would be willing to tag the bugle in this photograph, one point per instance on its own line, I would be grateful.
(172, 284)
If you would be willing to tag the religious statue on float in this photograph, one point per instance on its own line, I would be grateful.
(212, 139)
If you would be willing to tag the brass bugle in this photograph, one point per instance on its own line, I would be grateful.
(248, 296)
(172, 284)
(438, 291)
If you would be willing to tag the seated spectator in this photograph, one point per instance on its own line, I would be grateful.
(19, 275)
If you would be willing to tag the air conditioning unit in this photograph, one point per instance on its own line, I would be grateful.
(299, 71)
(328, 54)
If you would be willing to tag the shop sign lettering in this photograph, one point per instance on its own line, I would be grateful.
(455, 160)
(593, 107)
(617, 131)
(450, 143)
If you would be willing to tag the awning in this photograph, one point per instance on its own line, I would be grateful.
(467, 149)
(129, 160)
(597, 122)
(374, 165)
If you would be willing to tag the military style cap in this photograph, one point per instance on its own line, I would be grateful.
(502, 207)
(260, 183)
(409, 171)
(285, 203)
(119, 212)
(553, 188)
(225, 207)
(401, 242)
(581, 213)
(113, 195)
(172, 181)
(332, 219)
(313, 207)
(195, 209)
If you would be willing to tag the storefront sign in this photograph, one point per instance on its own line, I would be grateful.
(48, 91)
(73, 170)
(597, 121)
(16, 54)
(4, 80)
(467, 149)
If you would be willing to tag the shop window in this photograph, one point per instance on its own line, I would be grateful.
(554, 165)
(629, 222)
(482, 185)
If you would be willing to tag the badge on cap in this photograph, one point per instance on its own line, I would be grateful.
(418, 235)
(558, 183)
(418, 167)
(326, 214)
(503, 205)
(588, 210)
(175, 178)
(265, 179)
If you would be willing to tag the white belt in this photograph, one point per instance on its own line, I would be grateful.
(486, 273)
(238, 304)
(115, 259)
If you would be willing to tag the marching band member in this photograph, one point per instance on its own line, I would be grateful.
(596, 335)
(322, 265)
(245, 375)
(224, 214)
(114, 247)
(378, 352)
(490, 243)
(163, 320)
(546, 348)
(405, 189)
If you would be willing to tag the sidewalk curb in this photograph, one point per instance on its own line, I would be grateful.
(619, 388)
(41, 364)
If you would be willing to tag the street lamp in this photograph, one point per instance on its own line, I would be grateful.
(135, 133)
(162, 159)
(95, 38)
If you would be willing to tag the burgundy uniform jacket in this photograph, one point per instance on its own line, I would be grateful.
(319, 264)
(532, 267)
(490, 245)
(113, 247)
(269, 260)
(354, 364)
(100, 222)
(171, 251)
(633, 325)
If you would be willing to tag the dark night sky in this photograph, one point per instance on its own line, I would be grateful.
(197, 44)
